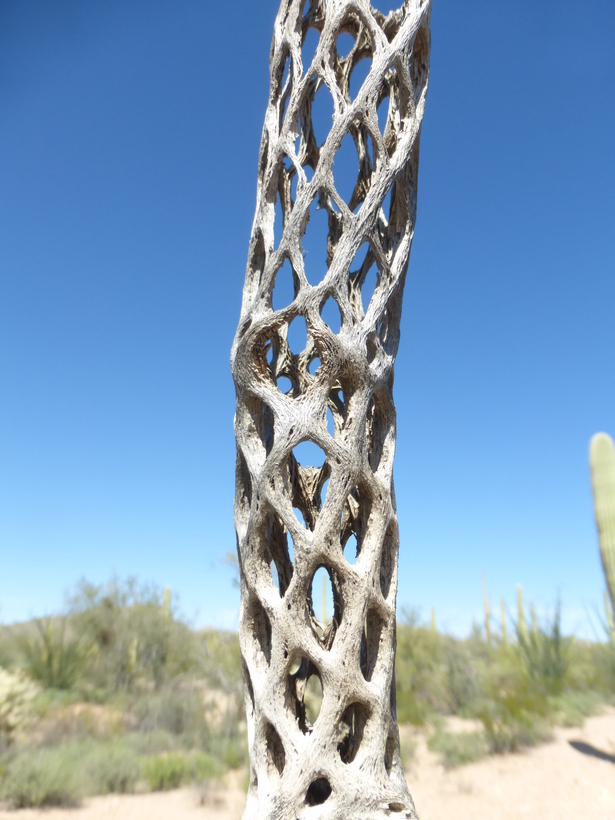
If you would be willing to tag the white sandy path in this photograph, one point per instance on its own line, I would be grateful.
(551, 782)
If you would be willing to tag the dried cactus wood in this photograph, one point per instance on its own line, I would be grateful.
(335, 392)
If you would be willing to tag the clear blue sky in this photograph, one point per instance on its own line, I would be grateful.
(129, 135)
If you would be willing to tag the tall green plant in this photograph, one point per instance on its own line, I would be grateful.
(602, 463)
(53, 657)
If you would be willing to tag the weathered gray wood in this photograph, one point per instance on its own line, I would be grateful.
(346, 765)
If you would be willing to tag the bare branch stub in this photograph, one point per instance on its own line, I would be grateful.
(335, 392)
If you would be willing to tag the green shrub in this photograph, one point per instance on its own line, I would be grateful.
(110, 768)
(515, 713)
(166, 771)
(40, 778)
(203, 767)
(546, 653)
(52, 655)
(459, 748)
(571, 708)
(419, 672)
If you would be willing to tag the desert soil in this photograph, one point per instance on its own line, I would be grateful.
(571, 777)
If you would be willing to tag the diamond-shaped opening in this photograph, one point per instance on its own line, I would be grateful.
(261, 627)
(344, 44)
(285, 89)
(297, 334)
(322, 114)
(276, 757)
(308, 49)
(278, 222)
(358, 76)
(285, 288)
(322, 598)
(330, 423)
(309, 454)
(323, 492)
(284, 385)
(351, 549)
(314, 365)
(372, 638)
(313, 698)
(383, 113)
(318, 792)
(308, 472)
(370, 283)
(331, 314)
(300, 517)
(351, 730)
(391, 753)
(346, 168)
(364, 277)
(280, 559)
(300, 672)
(314, 243)
(388, 561)
(386, 206)
(269, 354)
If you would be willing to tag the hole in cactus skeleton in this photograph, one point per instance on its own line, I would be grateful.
(351, 549)
(391, 752)
(370, 643)
(312, 698)
(383, 113)
(284, 287)
(388, 560)
(346, 169)
(363, 279)
(314, 243)
(300, 517)
(308, 49)
(309, 454)
(276, 757)
(352, 728)
(344, 44)
(284, 385)
(322, 598)
(330, 423)
(358, 76)
(261, 627)
(297, 334)
(331, 315)
(368, 288)
(314, 365)
(322, 114)
(318, 792)
(278, 222)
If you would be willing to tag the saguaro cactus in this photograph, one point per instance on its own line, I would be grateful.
(602, 464)
(347, 764)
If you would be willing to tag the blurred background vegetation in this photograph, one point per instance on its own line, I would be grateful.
(120, 694)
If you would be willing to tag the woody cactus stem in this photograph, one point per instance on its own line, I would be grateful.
(602, 463)
(346, 765)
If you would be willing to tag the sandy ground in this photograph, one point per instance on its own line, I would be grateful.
(572, 777)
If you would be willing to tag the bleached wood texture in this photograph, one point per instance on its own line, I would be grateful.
(347, 764)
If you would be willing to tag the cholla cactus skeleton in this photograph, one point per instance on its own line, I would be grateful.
(348, 763)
